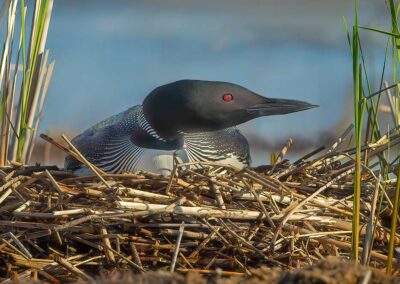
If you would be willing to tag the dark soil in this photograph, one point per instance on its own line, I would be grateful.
(331, 271)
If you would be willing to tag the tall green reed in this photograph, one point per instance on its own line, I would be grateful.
(22, 92)
(394, 14)
(365, 99)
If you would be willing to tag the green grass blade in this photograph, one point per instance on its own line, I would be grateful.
(379, 31)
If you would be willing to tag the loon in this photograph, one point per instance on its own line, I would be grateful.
(196, 116)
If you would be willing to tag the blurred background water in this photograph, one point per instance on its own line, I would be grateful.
(111, 54)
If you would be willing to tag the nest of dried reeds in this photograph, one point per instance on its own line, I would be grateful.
(59, 227)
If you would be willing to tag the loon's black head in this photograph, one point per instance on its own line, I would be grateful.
(196, 106)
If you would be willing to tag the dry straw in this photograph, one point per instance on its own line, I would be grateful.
(68, 227)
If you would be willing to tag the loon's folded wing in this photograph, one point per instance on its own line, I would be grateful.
(109, 144)
(227, 146)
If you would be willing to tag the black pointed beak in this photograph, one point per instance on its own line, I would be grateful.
(279, 106)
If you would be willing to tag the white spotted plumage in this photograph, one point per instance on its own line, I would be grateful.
(112, 144)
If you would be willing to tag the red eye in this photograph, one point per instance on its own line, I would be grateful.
(227, 97)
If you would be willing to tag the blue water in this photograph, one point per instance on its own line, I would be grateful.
(111, 54)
